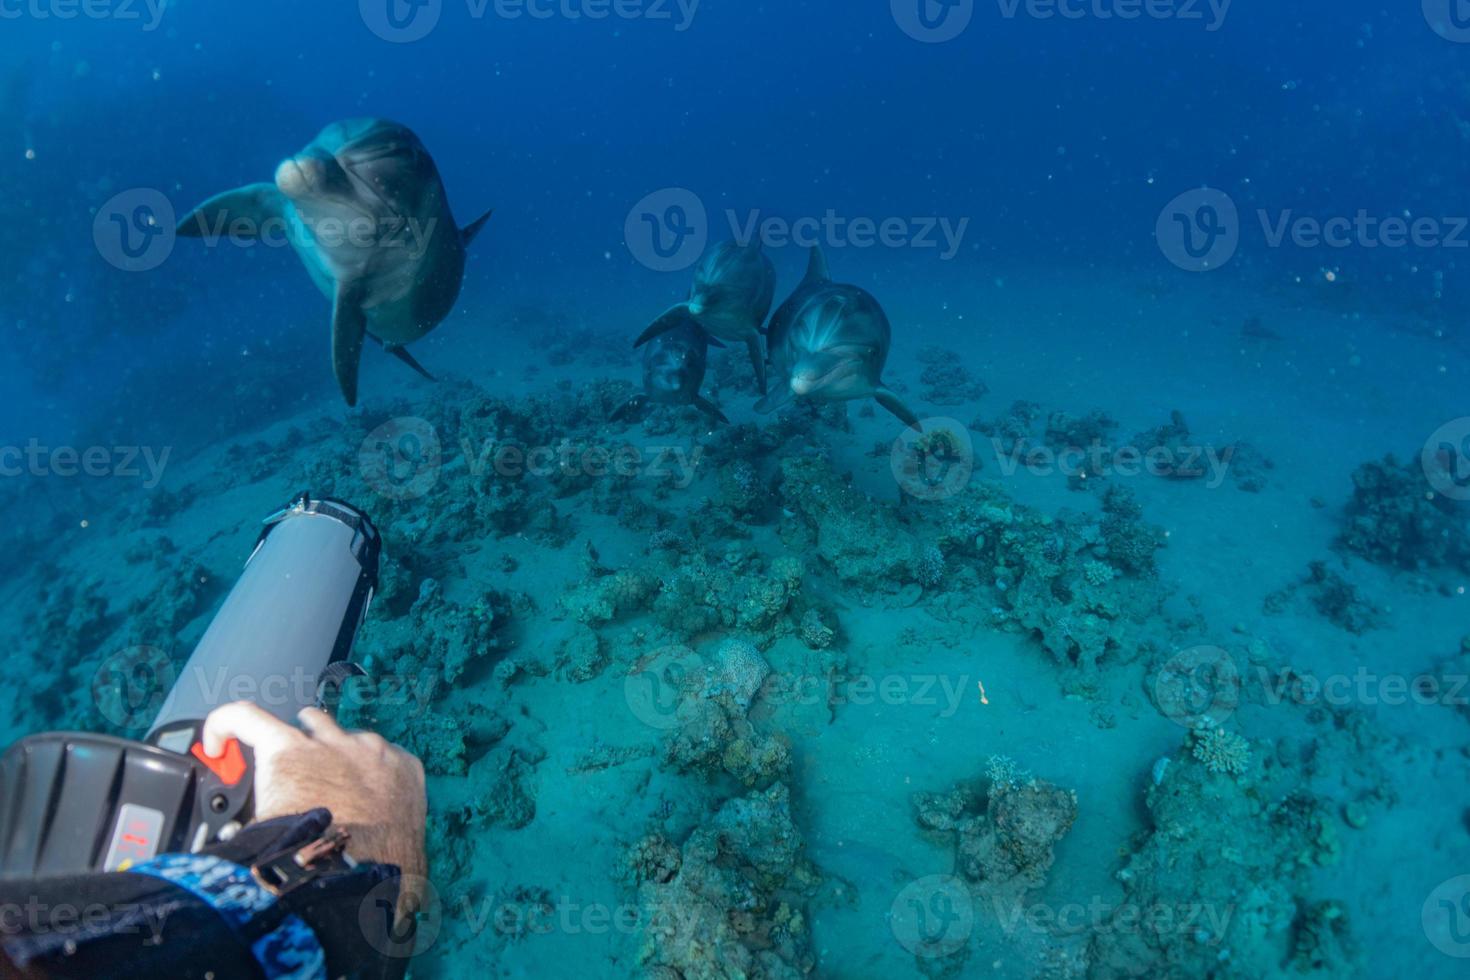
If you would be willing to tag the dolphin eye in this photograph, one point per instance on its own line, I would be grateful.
(368, 153)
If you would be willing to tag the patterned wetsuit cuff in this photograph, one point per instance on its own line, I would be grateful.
(290, 951)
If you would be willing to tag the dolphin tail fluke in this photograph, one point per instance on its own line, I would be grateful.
(401, 352)
(663, 324)
(349, 330)
(244, 212)
(468, 232)
(774, 400)
(816, 269)
(757, 361)
(628, 409)
(710, 408)
(891, 402)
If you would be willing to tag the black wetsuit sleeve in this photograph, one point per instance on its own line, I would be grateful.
(125, 925)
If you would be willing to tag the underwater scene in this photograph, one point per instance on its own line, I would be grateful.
(867, 488)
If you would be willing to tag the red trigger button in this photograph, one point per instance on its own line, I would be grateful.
(229, 766)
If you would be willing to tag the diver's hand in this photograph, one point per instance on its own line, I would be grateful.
(374, 789)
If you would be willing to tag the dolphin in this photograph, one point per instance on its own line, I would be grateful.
(365, 209)
(673, 370)
(829, 342)
(734, 287)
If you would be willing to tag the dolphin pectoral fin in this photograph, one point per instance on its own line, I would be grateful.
(709, 408)
(816, 270)
(401, 352)
(349, 330)
(628, 408)
(774, 400)
(468, 232)
(243, 212)
(663, 324)
(757, 361)
(890, 401)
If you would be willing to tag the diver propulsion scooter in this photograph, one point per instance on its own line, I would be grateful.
(72, 802)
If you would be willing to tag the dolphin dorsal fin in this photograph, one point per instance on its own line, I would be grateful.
(468, 233)
(816, 270)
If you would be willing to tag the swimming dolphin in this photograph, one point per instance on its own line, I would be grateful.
(365, 209)
(734, 286)
(673, 370)
(829, 342)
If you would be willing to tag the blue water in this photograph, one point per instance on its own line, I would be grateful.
(1053, 149)
(1059, 139)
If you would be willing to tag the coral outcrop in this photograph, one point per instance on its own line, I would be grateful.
(1221, 874)
(946, 380)
(1333, 596)
(1394, 519)
(1005, 837)
(714, 734)
(730, 901)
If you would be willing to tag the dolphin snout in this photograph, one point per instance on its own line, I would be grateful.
(300, 175)
(291, 179)
(802, 384)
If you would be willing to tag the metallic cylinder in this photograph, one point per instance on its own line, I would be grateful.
(295, 610)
